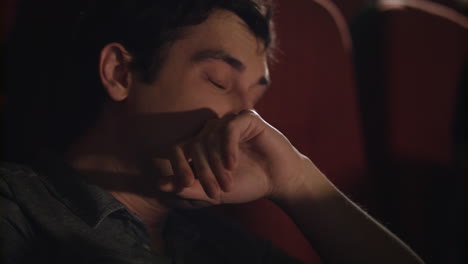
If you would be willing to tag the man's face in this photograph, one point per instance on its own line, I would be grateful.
(218, 65)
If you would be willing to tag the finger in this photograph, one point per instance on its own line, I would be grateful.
(222, 140)
(195, 192)
(230, 143)
(204, 172)
(223, 176)
(183, 173)
(167, 184)
(212, 148)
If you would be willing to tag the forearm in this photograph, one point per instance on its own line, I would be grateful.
(337, 228)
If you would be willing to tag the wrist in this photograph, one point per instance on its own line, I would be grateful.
(310, 185)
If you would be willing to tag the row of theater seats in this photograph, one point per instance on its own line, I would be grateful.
(373, 104)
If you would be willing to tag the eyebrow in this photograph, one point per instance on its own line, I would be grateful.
(222, 55)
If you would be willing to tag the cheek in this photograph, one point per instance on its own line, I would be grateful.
(167, 94)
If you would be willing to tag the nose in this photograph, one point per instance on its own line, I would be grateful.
(245, 102)
(242, 99)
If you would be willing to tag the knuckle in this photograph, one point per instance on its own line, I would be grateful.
(249, 112)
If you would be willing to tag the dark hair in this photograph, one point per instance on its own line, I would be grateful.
(54, 88)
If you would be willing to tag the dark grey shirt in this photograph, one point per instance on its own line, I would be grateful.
(49, 214)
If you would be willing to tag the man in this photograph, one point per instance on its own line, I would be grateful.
(176, 129)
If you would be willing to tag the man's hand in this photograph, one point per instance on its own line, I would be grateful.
(236, 159)
(242, 158)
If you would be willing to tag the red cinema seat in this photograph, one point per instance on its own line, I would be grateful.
(410, 56)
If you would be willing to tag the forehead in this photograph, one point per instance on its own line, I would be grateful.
(223, 30)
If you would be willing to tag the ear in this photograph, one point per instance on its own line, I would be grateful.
(114, 70)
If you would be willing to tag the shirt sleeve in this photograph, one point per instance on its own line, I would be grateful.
(15, 239)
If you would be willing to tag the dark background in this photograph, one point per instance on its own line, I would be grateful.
(375, 98)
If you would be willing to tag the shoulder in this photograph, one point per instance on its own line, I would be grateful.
(21, 193)
(9, 169)
(16, 229)
(11, 175)
(19, 182)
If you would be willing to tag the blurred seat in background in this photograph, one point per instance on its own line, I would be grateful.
(409, 57)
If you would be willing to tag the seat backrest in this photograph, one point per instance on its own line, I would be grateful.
(410, 57)
(424, 58)
(313, 98)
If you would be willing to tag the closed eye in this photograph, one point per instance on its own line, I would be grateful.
(216, 84)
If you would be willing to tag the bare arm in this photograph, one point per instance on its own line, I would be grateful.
(243, 158)
(340, 230)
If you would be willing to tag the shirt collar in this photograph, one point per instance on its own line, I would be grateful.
(88, 201)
